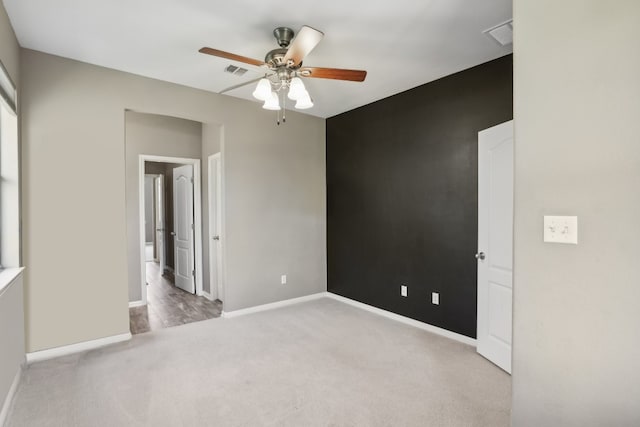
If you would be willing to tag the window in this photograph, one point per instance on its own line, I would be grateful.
(9, 174)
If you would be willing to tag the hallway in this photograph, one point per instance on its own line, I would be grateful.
(168, 305)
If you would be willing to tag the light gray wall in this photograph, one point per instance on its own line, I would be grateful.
(148, 208)
(275, 211)
(11, 335)
(74, 113)
(576, 336)
(155, 135)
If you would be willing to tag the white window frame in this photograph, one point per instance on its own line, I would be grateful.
(10, 256)
(8, 91)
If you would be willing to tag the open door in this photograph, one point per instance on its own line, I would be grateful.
(495, 243)
(183, 226)
(160, 222)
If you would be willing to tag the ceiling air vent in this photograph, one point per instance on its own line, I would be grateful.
(501, 34)
(236, 71)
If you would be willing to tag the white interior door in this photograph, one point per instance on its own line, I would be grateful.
(495, 243)
(183, 227)
(215, 227)
(160, 221)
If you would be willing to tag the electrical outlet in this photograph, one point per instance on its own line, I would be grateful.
(403, 290)
(283, 279)
(435, 298)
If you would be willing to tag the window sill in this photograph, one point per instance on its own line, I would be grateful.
(8, 276)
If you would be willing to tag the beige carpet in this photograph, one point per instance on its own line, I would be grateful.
(321, 363)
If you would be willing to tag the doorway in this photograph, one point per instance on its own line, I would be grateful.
(154, 217)
(189, 256)
(170, 246)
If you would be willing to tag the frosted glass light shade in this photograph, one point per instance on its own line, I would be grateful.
(263, 90)
(272, 103)
(296, 89)
(304, 102)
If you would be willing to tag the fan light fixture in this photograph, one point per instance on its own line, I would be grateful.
(272, 103)
(267, 91)
(284, 69)
(304, 102)
(263, 90)
(297, 89)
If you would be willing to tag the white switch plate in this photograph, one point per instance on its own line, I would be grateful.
(403, 290)
(283, 279)
(435, 298)
(561, 229)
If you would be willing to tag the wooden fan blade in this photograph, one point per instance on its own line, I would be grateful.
(305, 41)
(231, 56)
(333, 73)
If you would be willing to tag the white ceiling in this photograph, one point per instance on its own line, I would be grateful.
(401, 43)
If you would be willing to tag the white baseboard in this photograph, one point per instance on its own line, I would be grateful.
(207, 295)
(138, 303)
(406, 320)
(50, 353)
(271, 306)
(393, 316)
(4, 413)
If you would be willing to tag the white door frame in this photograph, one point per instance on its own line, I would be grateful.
(219, 226)
(197, 214)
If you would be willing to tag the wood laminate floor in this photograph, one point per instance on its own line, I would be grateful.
(168, 305)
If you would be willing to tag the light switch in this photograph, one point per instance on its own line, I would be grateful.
(561, 229)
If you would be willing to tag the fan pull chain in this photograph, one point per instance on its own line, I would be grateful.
(284, 111)
(278, 117)
(284, 108)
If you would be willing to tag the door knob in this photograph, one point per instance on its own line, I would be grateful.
(173, 234)
(216, 237)
(480, 256)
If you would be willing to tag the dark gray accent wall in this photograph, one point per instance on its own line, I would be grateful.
(402, 195)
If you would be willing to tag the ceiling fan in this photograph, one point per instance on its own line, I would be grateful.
(283, 68)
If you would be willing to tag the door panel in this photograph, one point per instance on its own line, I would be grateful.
(499, 314)
(183, 227)
(495, 242)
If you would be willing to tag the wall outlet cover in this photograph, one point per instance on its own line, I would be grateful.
(435, 298)
(283, 279)
(403, 290)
